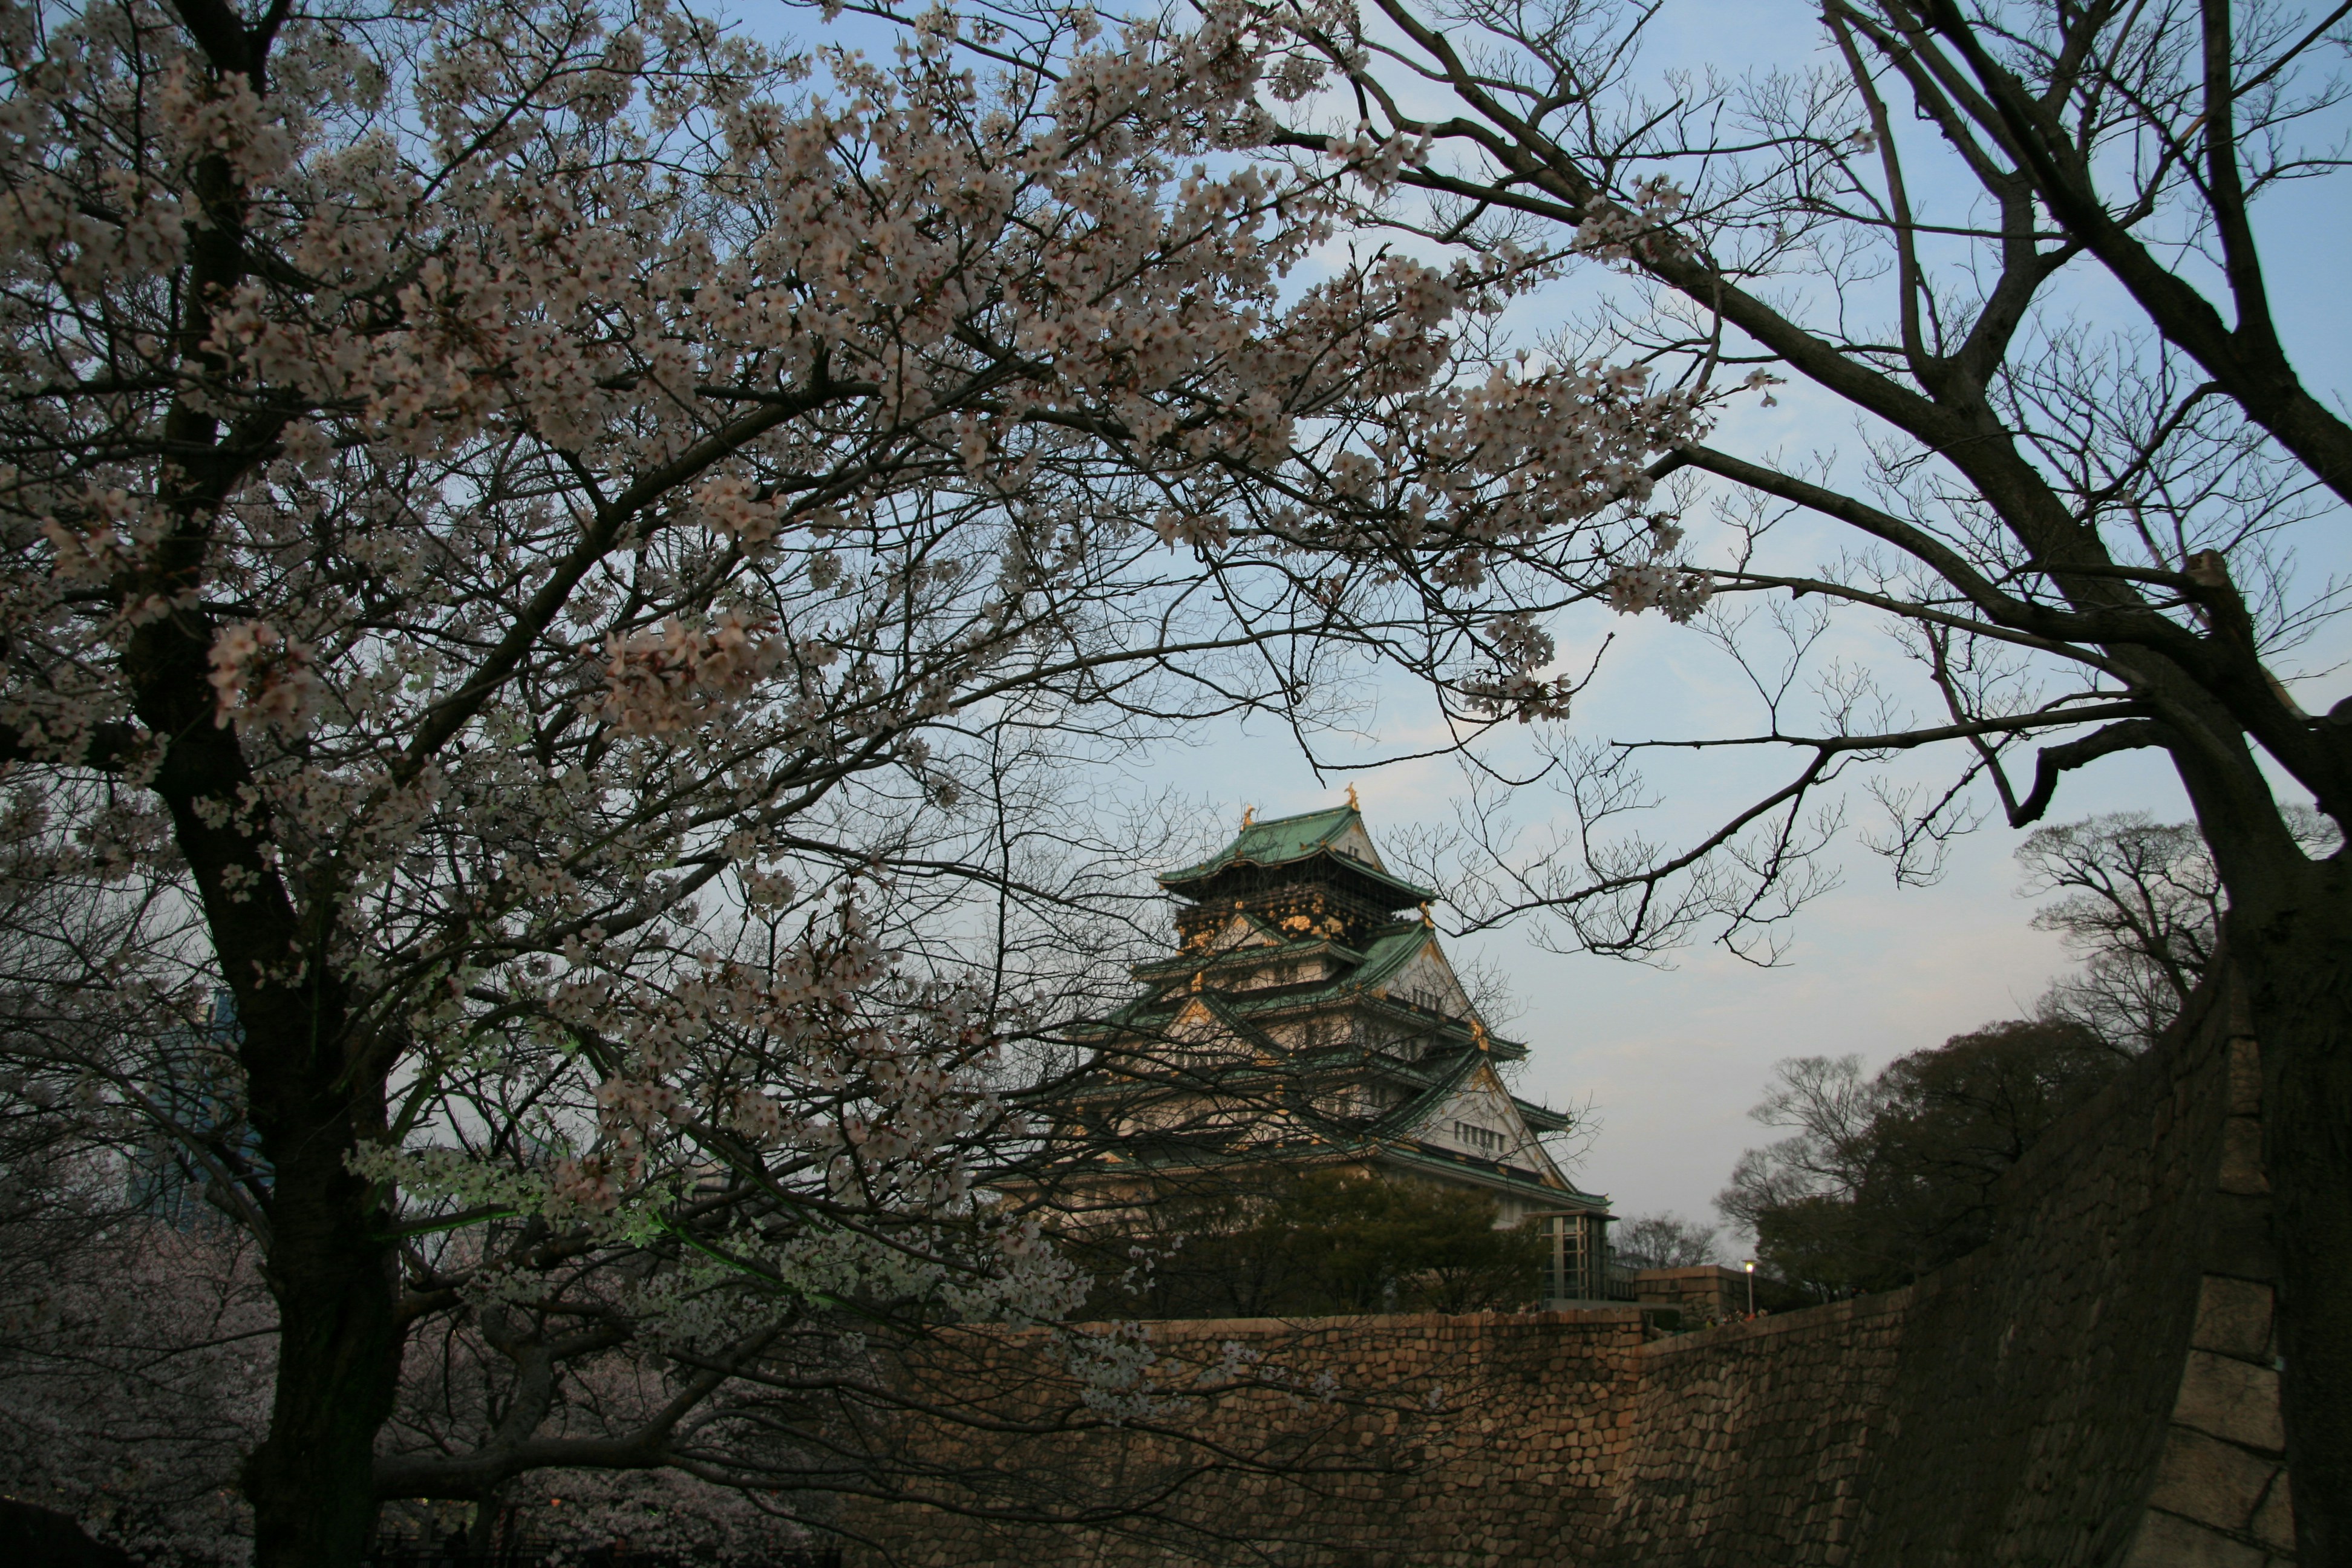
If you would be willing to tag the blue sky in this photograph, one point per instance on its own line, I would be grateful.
(1672, 1056)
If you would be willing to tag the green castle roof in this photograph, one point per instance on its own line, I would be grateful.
(1288, 840)
(1388, 1136)
(1360, 985)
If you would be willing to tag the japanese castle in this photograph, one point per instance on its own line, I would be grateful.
(1308, 1018)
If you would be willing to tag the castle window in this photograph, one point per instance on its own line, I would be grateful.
(1484, 1138)
(1429, 999)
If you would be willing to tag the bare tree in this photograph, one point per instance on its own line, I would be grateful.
(1665, 1241)
(2080, 534)
(1827, 1106)
(2141, 903)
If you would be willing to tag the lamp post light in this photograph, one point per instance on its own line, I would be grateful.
(1749, 1264)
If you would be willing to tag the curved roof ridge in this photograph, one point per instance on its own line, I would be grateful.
(1286, 840)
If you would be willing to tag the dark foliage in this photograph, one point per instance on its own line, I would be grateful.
(34, 1536)
(1886, 1179)
(1282, 1244)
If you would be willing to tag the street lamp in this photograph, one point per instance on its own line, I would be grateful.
(1749, 1264)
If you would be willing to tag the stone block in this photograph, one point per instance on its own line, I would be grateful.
(2237, 1239)
(2210, 1481)
(2169, 1540)
(2245, 1078)
(2230, 1399)
(2233, 1317)
(2241, 1157)
(2274, 1521)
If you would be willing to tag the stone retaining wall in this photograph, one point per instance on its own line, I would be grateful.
(2021, 1406)
(2095, 1389)
(1429, 1441)
(1698, 1297)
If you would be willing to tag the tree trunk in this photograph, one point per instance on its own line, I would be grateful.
(2296, 957)
(312, 1483)
(312, 1097)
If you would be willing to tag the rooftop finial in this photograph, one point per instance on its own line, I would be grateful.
(1426, 920)
(1353, 804)
(1249, 815)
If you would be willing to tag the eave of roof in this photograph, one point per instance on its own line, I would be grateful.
(1148, 1014)
(1242, 957)
(1392, 1123)
(1542, 1118)
(1487, 1172)
(1379, 958)
(1319, 1149)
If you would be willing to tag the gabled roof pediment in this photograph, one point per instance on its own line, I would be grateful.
(1241, 930)
(1475, 1114)
(1424, 978)
(1204, 1026)
(1356, 844)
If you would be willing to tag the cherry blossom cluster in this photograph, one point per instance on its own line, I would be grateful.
(261, 677)
(1677, 592)
(1614, 232)
(868, 1097)
(670, 678)
(1648, 576)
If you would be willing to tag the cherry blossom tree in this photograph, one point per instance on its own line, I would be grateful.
(526, 523)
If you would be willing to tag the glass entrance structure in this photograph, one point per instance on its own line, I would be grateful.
(1576, 1259)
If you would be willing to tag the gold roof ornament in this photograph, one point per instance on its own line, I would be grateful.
(1249, 815)
(1352, 803)
(1197, 975)
(1426, 920)
(1478, 1034)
